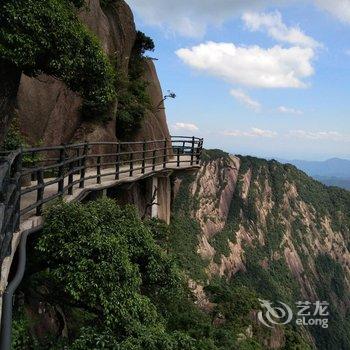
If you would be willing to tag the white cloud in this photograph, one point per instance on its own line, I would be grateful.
(318, 135)
(272, 23)
(242, 97)
(254, 132)
(276, 67)
(287, 110)
(192, 18)
(338, 8)
(185, 126)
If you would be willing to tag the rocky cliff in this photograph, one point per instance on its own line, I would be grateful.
(273, 229)
(50, 113)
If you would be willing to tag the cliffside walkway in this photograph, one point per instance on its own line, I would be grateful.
(32, 178)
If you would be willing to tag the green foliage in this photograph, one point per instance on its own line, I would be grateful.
(46, 36)
(105, 255)
(131, 110)
(159, 230)
(267, 274)
(143, 43)
(232, 301)
(133, 99)
(21, 338)
(118, 288)
(122, 282)
(295, 342)
(14, 140)
(213, 154)
(185, 233)
(332, 274)
(184, 243)
(331, 285)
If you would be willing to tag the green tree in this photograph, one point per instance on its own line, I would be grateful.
(47, 37)
(117, 286)
(133, 99)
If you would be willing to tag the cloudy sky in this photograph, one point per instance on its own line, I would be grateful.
(266, 78)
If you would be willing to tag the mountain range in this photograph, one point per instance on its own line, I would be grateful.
(331, 172)
(269, 229)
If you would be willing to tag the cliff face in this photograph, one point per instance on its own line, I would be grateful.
(273, 229)
(50, 113)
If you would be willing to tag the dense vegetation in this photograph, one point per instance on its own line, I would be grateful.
(236, 299)
(133, 99)
(266, 271)
(46, 36)
(106, 279)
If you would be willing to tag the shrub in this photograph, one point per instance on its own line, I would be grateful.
(14, 139)
(133, 99)
(119, 289)
(46, 36)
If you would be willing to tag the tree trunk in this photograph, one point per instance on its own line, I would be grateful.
(9, 83)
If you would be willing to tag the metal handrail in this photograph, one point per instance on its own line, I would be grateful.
(67, 166)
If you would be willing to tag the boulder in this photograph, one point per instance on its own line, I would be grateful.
(50, 113)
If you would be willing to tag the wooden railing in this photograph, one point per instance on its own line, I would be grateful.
(26, 173)
(10, 193)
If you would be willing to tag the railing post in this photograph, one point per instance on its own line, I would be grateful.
(178, 156)
(143, 156)
(83, 165)
(61, 170)
(78, 162)
(154, 156)
(117, 162)
(192, 150)
(18, 189)
(40, 191)
(131, 164)
(32, 175)
(70, 177)
(199, 150)
(18, 163)
(99, 169)
(165, 153)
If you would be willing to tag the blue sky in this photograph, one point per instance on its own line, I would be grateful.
(255, 77)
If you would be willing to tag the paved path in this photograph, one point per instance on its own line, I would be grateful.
(30, 220)
(107, 181)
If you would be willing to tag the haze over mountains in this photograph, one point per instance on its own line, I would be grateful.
(332, 172)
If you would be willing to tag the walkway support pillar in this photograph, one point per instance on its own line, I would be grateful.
(161, 208)
(154, 213)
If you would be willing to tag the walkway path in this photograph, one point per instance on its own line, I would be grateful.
(107, 181)
(30, 179)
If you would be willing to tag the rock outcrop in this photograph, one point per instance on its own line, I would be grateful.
(154, 126)
(273, 226)
(50, 113)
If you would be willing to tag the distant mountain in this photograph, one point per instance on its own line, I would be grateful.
(334, 181)
(331, 172)
(334, 167)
